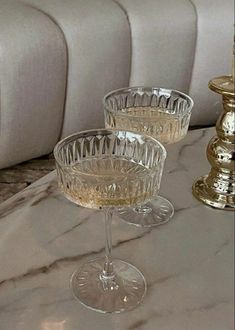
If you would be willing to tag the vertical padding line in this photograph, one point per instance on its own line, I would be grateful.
(196, 41)
(67, 58)
(131, 44)
(0, 96)
(0, 110)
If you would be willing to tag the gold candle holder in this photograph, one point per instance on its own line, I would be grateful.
(217, 189)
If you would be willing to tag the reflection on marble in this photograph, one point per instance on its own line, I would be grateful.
(188, 263)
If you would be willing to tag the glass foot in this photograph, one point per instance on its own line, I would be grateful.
(121, 293)
(155, 213)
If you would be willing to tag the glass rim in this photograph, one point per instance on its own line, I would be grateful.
(146, 88)
(71, 137)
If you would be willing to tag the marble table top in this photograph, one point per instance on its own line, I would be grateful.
(188, 263)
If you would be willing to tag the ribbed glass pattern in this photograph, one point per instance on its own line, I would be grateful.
(161, 113)
(108, 168)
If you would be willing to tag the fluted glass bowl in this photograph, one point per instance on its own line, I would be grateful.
(109, 168)
(161, 113)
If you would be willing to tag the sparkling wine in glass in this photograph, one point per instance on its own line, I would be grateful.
(161, 113)
(108, 169)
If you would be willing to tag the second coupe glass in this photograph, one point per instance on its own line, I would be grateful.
(158, 112)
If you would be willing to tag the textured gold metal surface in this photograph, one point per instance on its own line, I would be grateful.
(217, 189)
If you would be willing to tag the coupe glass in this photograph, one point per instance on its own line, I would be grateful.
(105, 169)
(161, 113)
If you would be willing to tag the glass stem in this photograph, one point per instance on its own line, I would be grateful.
(108, 272)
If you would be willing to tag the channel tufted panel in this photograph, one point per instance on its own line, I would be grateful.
(163, 42)
(32, 83)
(182, 44)
(98, 40)
(213, 56)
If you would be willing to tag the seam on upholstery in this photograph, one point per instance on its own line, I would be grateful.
(0, 110)
(195, 48)
(130, 29)
(67, 58)
(0, 95)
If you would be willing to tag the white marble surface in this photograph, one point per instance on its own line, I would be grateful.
(188, 263)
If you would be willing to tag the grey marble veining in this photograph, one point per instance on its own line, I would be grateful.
(188, 263)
